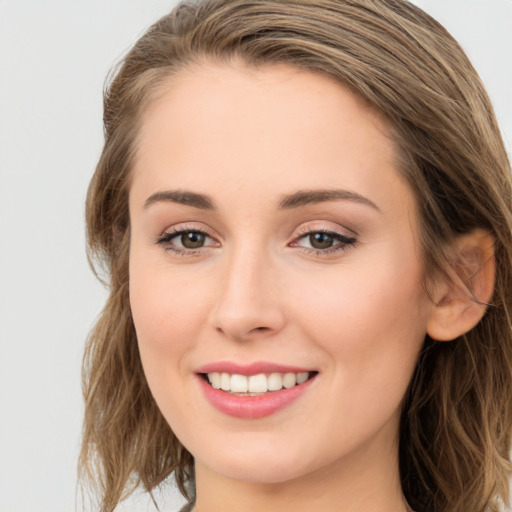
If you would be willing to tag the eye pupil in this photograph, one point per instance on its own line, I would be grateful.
(192, 240)
(321, 240)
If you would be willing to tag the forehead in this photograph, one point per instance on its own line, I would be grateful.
(229, 91)
(235, 127)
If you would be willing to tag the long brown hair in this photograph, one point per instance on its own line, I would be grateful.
(456, 421)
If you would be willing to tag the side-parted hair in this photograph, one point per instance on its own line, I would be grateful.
(455, 431)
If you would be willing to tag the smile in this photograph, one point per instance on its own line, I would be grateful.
(254, 385)
(254, 391)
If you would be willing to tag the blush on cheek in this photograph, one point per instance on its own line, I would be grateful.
(363, 323)
(166, 327)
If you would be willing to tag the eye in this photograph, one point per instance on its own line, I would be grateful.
(323, 241)
(184, 241)
(191, 239)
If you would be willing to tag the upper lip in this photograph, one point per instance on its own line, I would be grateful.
(250, 369)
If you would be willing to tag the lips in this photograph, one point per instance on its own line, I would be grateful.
(253, 391)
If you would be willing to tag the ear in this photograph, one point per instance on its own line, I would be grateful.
(462, 295)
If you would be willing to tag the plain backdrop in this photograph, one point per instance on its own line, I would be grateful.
(54, 56)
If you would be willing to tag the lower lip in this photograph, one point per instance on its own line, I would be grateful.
(252, 407)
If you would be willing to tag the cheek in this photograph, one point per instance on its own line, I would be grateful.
(371, 321)
(372, 326)
(166, 310)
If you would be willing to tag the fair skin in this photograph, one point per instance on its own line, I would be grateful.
(234, 262)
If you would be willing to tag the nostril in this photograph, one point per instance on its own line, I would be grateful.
(260, 329)
(231, 333)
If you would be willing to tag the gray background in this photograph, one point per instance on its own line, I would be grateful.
(54, 56)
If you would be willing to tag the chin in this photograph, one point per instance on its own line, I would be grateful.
(261, 463)
(259, 472)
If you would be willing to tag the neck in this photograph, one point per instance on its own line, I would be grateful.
(363, 481)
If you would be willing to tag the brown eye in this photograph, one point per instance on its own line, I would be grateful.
(324, 242)
(321, 240)
(192, 240)
(186, 241)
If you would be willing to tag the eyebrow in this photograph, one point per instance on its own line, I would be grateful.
(295, 200)
(305, 197)
(194, 199)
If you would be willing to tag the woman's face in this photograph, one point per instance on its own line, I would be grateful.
(272, 241)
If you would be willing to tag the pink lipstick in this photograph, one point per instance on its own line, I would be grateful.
(255, 390)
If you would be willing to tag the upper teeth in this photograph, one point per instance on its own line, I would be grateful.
(259, 383)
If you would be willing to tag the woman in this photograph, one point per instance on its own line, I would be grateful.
(303, 210)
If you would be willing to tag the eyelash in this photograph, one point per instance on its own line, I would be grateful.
(344, 241)
(166, 238)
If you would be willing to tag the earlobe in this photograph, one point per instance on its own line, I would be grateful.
(463, 294)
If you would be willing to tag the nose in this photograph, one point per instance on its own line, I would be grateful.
(249, 303)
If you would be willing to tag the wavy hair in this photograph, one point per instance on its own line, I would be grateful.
(455, 432)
